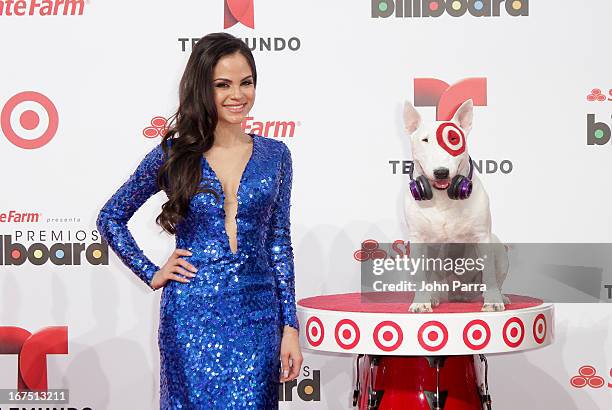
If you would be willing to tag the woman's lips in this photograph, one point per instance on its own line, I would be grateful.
(235, 108)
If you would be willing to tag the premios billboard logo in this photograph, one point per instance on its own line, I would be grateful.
(304, 388)
(598, 132)
(67, 248)
(454, 8)
(29, 120)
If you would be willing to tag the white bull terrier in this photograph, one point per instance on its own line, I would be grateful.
(446, 203)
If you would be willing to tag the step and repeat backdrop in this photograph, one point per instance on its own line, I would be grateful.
(87, 87)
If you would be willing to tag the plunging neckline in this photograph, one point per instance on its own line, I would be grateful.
(223, 195)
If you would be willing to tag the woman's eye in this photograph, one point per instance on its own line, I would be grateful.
(247, 83)
(221, 85)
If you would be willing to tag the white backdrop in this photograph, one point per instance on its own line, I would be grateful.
(112, 69)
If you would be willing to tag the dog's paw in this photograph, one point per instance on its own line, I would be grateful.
(420, 308)
(506, 300)
(493, 307)
(435, 300)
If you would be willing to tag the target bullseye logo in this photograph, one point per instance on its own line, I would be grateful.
(476, 334)
(451, 138)
(347, 334)
(539, 328)
(432, 336)
(513, 332)
(388, 336)
(29, 120)
(315, 331)
(586, 376)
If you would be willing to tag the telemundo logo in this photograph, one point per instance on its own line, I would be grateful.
(455, 8)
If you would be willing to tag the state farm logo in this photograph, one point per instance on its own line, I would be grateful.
(13, 216)
(270, 129)
(587, 376)
(370, 249)
(158, 127)
(42, 8)
(29, 120)
(238, 11)
(32, 350)
(454, 8)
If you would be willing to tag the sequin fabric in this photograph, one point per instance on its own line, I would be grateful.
(219, 335)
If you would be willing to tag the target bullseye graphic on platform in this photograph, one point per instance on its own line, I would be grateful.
(539, 328)
(388, 335)
(347, 334)
(315, 331)
(433, 335)
(477, 334)
(29, 120)
(513, 332)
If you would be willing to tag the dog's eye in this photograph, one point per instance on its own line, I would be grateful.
(425, 139)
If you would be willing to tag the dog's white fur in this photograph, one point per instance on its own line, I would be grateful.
(444, 220)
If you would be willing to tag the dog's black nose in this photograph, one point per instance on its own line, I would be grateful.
(441, 173)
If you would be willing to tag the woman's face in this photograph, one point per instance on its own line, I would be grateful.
(234, 88)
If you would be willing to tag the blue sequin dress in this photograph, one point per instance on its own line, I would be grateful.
(219, 335)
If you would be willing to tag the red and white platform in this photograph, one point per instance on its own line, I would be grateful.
(342, 323)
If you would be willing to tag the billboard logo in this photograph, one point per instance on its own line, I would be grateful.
(239, 11)
(29, 120)
(308, 389)
(32, 350)
(455, 8)
(598, 133)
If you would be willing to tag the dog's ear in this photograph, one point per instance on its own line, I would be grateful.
(412, 119)
(464, 115)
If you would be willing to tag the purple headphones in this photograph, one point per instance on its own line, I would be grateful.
(459, 188)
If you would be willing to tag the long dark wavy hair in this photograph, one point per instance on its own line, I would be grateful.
(192, 126)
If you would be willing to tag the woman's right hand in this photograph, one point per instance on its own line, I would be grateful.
(175, 268)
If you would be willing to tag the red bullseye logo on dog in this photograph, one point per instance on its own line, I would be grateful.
(432, 336)
(347, 334)
(513, 332)
(539, 328)
(388, 336)
(29, 120)
(477, 334)
(315, 331)
(586, 377)
(451, 138)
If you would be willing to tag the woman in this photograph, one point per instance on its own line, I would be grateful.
(227, 310)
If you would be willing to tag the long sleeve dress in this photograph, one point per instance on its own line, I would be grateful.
(219, 335)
